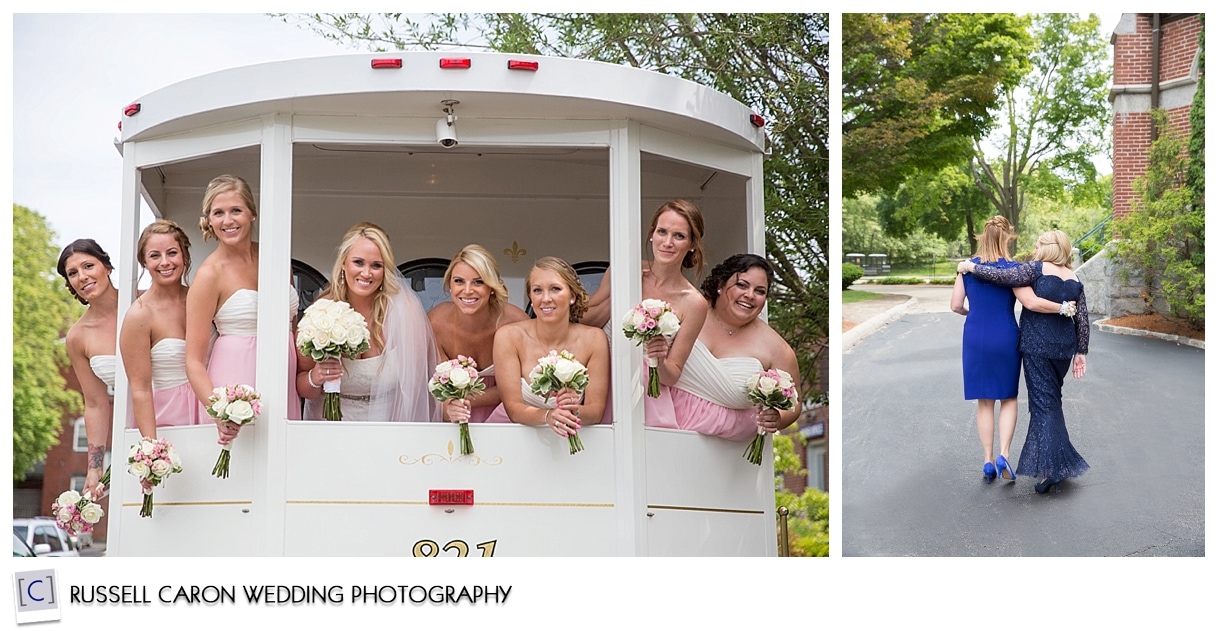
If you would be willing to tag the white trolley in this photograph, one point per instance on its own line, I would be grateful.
(546, 156)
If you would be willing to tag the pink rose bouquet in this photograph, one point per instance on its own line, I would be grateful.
(646, 321)
(458, 379)
(772, 389)
(555, 372)
(152, 460)
(76, 513)
(239, 404)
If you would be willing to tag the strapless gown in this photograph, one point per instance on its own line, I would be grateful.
(234, 352)
(480, 415)
(103, 366)
(710, 397)
(173, 400)
(500, 415)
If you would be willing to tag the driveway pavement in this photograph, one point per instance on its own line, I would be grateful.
(911, 476)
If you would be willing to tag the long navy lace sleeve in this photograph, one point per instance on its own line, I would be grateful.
(1082, 324)
(1014, 276)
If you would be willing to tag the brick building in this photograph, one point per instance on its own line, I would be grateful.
(1155, 66)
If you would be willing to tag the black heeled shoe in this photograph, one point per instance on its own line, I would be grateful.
(1049, 484)
(989, 471)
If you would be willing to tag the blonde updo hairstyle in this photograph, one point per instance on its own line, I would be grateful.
(568, 276)
(1054, 247)
(486, 267)
(992, 243)
(219, 185)
(165, 226)
(688, 211)
(338, 288)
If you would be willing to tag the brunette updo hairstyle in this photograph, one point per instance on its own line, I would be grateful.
(81, 246)
(722, 274)
(568, 276)
(693, 216)
(164, 226)
(225, 184)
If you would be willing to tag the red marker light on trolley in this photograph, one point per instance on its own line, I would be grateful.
(517, 64)
(393, 62)
(449, 63)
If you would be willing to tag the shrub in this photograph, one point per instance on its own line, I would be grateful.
(898, 280)
(850, 273)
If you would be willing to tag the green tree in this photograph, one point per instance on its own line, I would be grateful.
(42, 313)
(918, 88)
(1164, 237)
(1054, 120)
(775, 63)
(808, 516)
(944, 204)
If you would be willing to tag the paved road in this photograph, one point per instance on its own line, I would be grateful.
(912, 481)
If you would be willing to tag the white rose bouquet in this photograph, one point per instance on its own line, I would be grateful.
(458, 379)
(76, 513)
(239, 404)
(772, 389)
(331, 329)
(152, 460)
(648, 320)
(555, 372)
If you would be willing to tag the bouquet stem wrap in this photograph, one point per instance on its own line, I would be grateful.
(756, 449)
(331, 402)
(221, 468)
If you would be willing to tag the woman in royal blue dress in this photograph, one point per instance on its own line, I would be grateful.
(1052, 345)
(990, 348)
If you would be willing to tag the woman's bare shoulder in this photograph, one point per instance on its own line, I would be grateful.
(512, 313)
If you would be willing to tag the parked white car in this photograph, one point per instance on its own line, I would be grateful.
(45, 537)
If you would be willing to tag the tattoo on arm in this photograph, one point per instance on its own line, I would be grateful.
(97, 456)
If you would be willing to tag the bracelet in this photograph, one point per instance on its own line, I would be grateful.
(309, 376)
(545, 419)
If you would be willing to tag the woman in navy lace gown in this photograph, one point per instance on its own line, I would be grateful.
(1052, 345)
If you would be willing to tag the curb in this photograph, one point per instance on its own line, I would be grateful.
(1124, 330)
(863, 329)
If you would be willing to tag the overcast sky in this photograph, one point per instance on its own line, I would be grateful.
(73, 74)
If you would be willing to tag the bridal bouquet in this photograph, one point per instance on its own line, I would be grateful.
(457, 379)
(648, 320)
(330, 329)
(152, 460)
(773, 389)
(76, 513)
(238, 404)
(555, 372)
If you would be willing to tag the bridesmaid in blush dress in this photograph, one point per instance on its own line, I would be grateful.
(559, 300)
(467, 325)
(90, 345)
(153, 337)
(732, 346)
(676, 245)
(225, 295)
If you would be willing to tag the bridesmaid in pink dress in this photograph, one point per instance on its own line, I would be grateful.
(676, 245)
(225, 294)
(558, 299)
(733, 345)
(90, 345)
(467, 325)
(153, 337)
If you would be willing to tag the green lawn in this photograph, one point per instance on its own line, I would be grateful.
(858, 295)
(941, 269)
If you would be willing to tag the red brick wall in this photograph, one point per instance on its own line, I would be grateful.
(1132, 67)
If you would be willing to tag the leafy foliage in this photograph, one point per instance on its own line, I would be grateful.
(42, 313)
(918, 88)
(775, 63)
(808, 517)
(1054, 120)
(850, 273)
(1164, 237)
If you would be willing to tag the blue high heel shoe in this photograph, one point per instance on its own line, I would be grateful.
(1049, 484)
(1004, 468)
(989, 472)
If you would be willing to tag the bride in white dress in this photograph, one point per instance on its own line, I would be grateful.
(388, 382)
